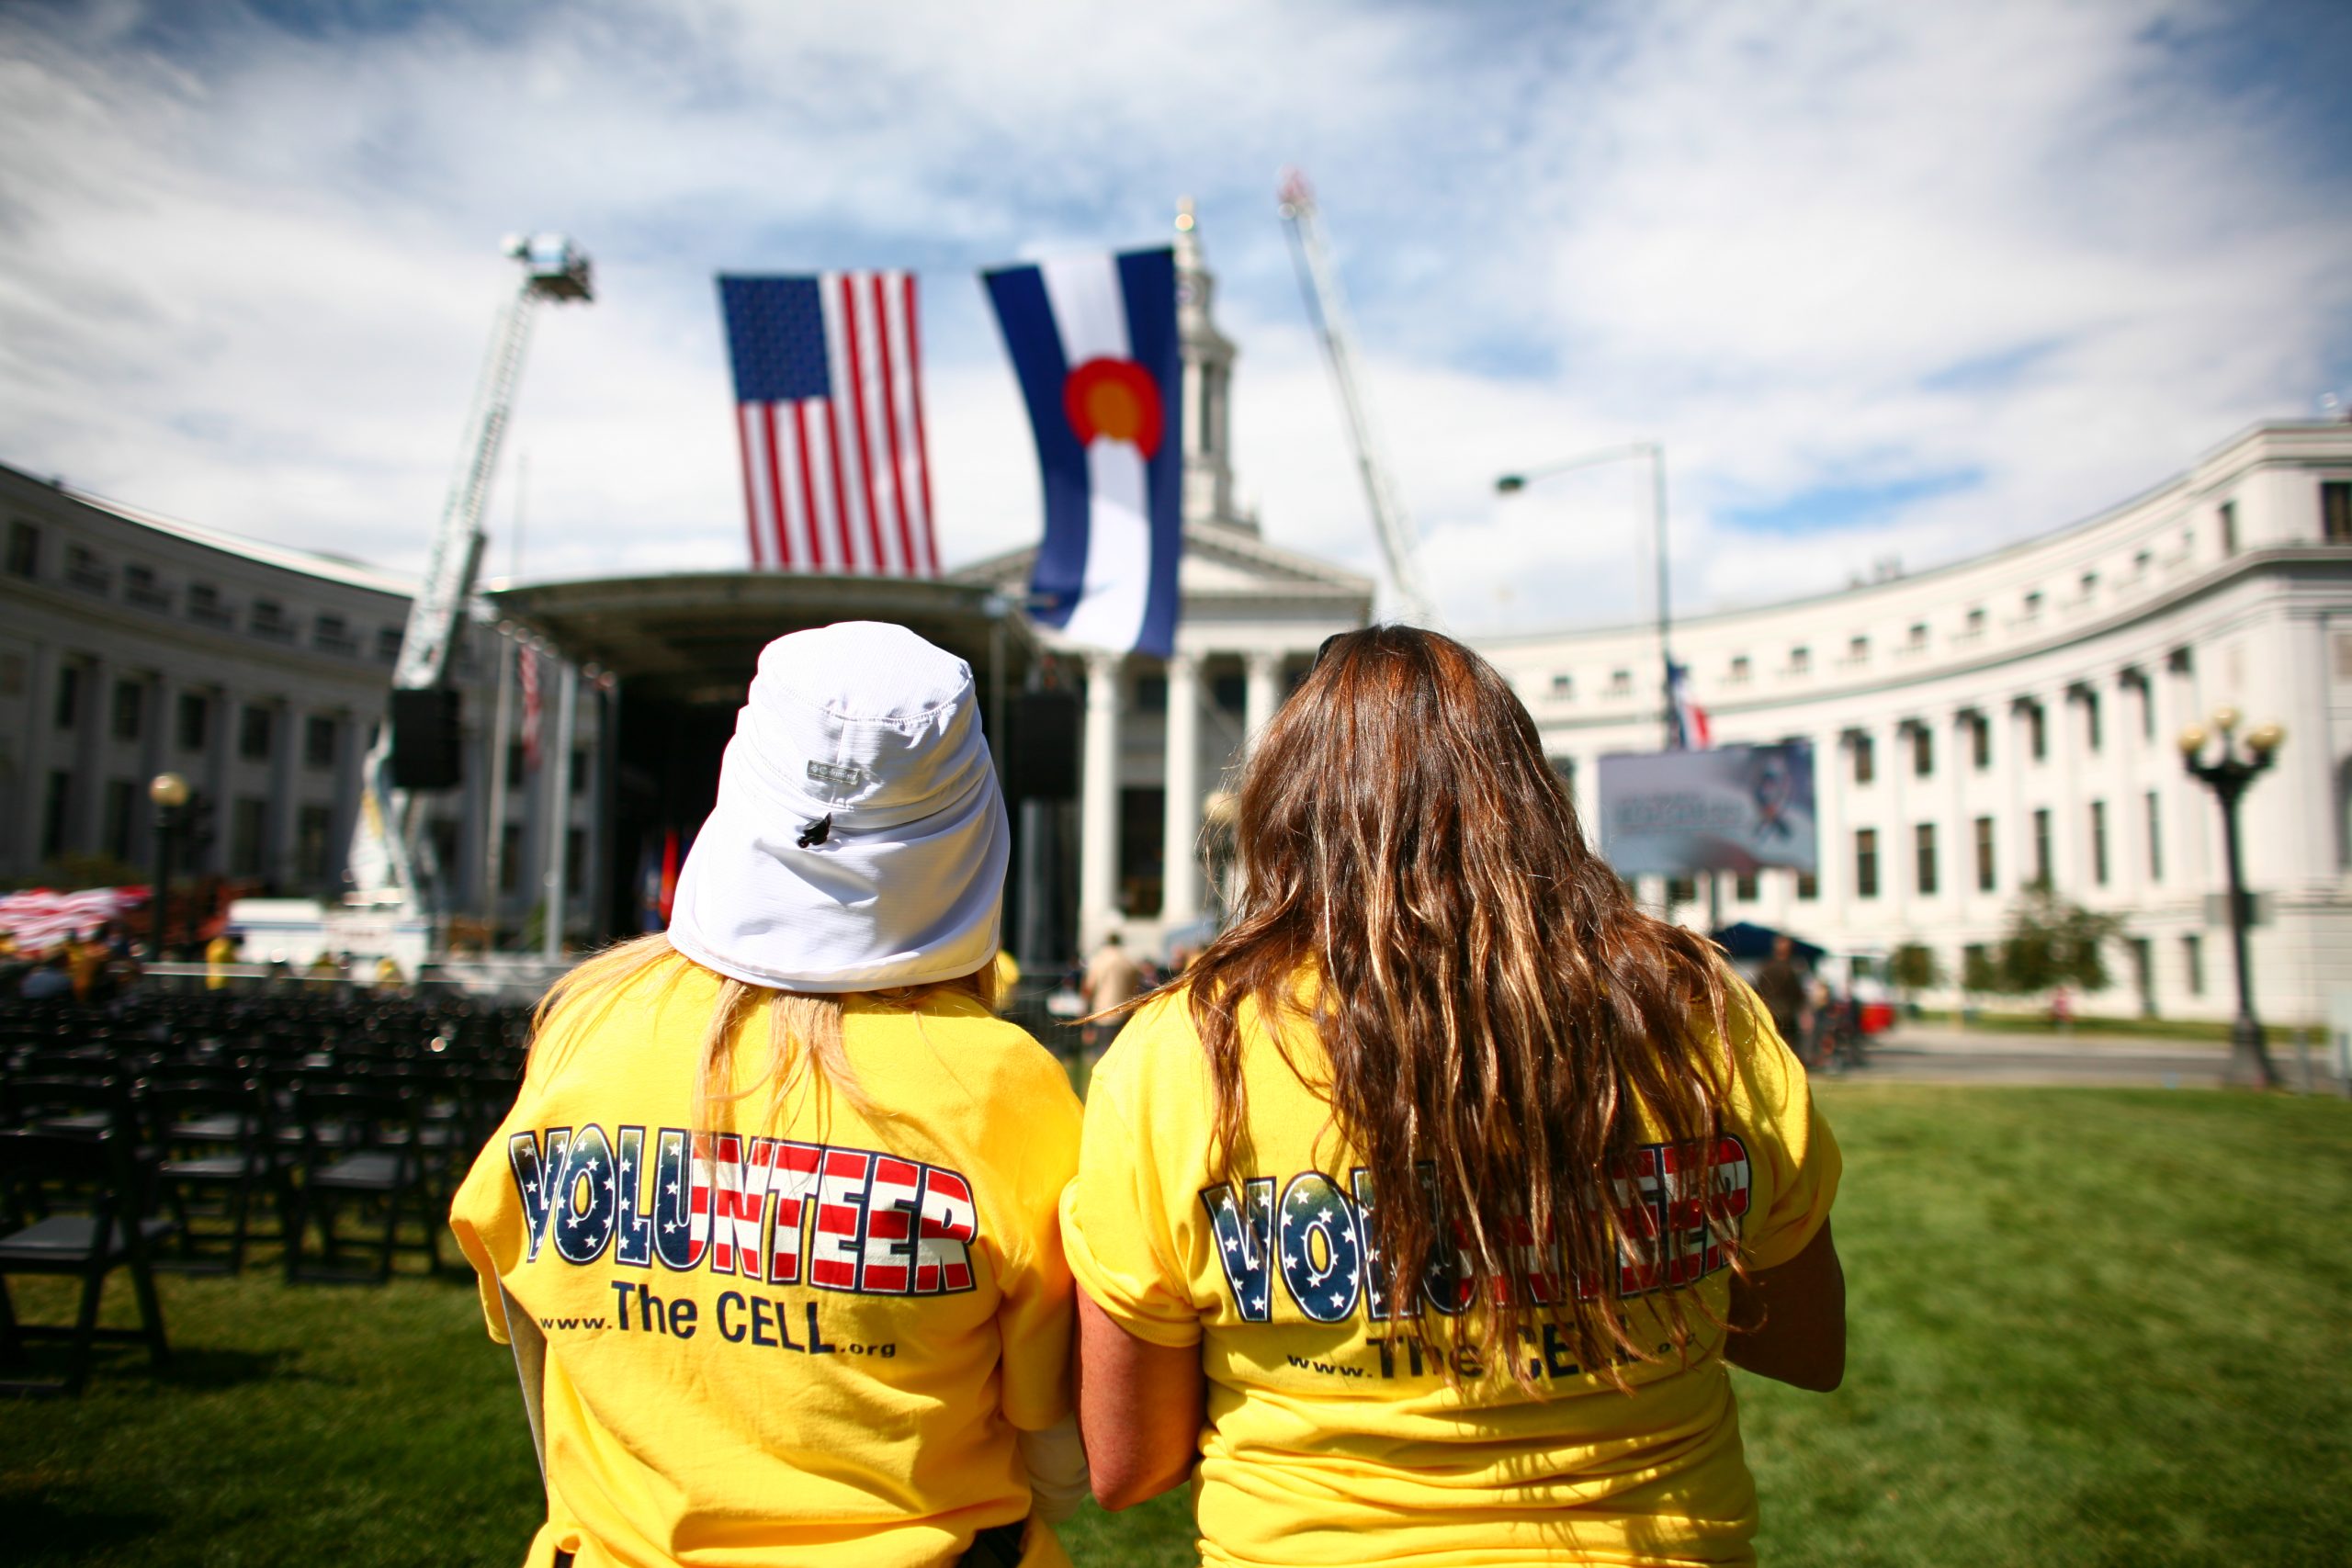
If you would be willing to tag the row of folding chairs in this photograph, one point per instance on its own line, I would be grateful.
(141, 1156)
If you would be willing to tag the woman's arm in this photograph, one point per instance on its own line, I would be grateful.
(1789, 1323)
(1139, 1409)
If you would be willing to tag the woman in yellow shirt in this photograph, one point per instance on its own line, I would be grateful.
(1417, 1221)
(778, 1193)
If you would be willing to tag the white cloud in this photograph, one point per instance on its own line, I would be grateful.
(246, 275)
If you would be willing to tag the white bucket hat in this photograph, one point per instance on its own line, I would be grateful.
(859, 839)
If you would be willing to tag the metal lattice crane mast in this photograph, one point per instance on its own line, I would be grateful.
(1319, 281)
(392, 863)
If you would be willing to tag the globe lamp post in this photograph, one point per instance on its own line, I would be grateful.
(2228, 777)
(169, 791)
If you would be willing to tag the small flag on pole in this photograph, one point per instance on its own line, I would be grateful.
(1691, 730)
(1093, 341)
(829, 413)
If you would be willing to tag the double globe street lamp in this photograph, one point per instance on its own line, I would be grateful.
(2228, 777)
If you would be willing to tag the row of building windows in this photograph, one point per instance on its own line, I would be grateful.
(256, 728)
(1926, 865)
(2336, 528)
(315, 859)
(266, 618)
(192, 720)
(1978, 735)
(121, 800)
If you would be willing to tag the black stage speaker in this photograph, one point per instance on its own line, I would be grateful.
(424, 739)
(1042, 761)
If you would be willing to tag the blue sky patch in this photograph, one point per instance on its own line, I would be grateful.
(1828, 507)
(1996, 372)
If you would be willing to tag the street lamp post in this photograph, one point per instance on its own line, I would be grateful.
(169, 791)
(2228, 778)
(1655, 452)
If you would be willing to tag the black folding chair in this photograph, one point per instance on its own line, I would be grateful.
(360, 1144)
(106, 1233)
(86, 1103)
(214, 1137)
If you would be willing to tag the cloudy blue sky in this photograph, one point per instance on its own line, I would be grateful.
(1888, 279)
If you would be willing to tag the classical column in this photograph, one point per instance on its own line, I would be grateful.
(494, 839)
(32, 798)
(84, 832)
(1262, 692)
(556, 766)
(152, 742)
(220, 719)
(1179, 898)
(1098, 822)
(277, 831)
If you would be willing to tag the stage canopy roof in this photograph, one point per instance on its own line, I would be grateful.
(694, 638)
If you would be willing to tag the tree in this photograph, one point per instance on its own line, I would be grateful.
(1979, 972)
(2053, 942)
(1915, 967)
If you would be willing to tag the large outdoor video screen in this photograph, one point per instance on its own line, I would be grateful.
(1735, 809)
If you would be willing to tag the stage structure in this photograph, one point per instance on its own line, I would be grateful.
(681, 650)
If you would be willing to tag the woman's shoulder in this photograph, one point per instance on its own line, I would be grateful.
(988, 1053)
(1161, 1030)
(1765, 1075)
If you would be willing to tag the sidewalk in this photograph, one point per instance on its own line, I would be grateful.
(1940, 1055)
(1946, 1038)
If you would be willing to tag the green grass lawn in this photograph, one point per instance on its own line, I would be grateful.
(2088, 1327)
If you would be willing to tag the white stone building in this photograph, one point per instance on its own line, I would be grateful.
(132, 645)
(2015, 716)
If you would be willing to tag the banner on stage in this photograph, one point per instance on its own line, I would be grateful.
(1735, 809)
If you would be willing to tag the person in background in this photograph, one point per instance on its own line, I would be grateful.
(49, 979)
(86, 962)
(1338, 1259)
(1008, 975)
(1112, 979)
(219, 953)
(1779, 985)
(796, 1102)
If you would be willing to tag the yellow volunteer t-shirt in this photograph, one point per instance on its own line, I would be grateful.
(1330, 1440)
(801, 1344)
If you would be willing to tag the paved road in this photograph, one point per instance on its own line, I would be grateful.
(1914, 1054)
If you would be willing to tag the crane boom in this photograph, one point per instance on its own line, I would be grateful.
(1319, 281)
(391, 864)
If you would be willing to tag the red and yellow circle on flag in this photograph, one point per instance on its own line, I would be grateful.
(1115, 400)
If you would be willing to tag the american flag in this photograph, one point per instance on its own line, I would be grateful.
(829, 411)
(1692, 731)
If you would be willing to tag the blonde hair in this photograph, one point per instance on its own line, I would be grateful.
(804, 1042)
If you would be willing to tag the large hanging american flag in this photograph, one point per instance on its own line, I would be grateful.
(829, 411)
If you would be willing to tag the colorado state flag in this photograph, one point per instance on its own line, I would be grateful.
(1093, 341)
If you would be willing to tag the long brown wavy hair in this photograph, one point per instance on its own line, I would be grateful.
(1502, 1025)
